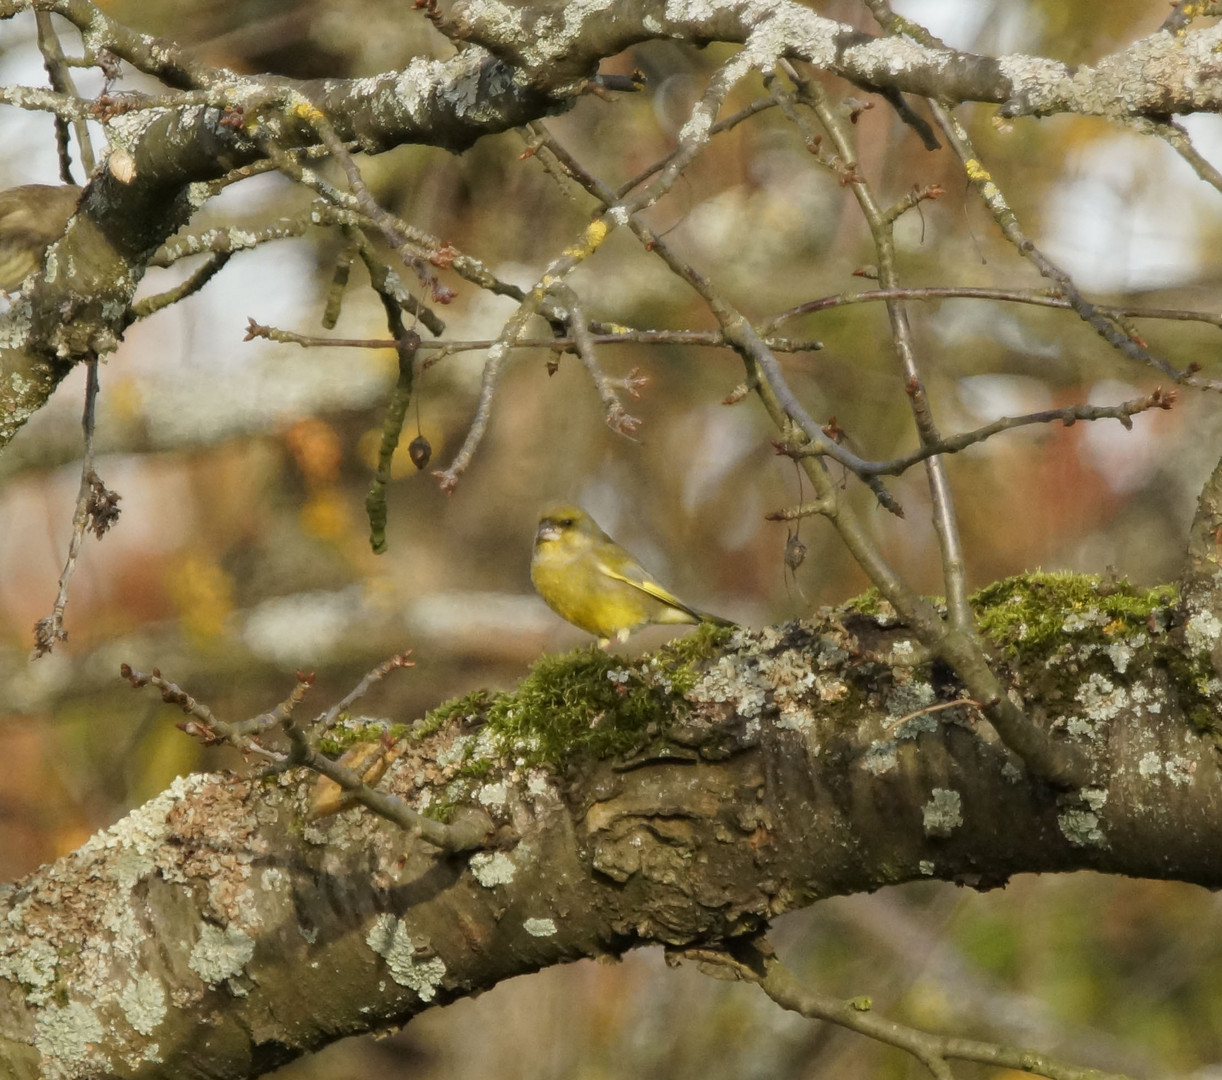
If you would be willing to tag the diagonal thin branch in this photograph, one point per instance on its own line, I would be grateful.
(756, 962)
(96, 509)
(618, 418)
(881, 223)
(467, 831)
(1107, 327)
(952, 444)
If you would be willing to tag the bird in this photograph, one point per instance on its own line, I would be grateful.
(586, 578)
(32, 217)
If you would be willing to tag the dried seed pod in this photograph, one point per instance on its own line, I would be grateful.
(420, 451)
(795, 552)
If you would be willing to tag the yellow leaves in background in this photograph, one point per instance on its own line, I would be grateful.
(326, 516)
(317, 450)
(203, 594)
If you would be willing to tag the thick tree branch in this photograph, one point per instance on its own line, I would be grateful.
(781, 779)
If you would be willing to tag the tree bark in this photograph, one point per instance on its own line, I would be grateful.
(217, 932)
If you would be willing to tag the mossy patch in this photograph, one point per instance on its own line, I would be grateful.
(352, 730)
(870, 602)
(1032, 613)
(598, 703)
(472, 704)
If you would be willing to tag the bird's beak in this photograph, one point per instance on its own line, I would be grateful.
(548, 530)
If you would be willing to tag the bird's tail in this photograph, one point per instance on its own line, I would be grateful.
(715, 620)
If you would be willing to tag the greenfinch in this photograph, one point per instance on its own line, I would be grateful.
(588, 579)
(31, 219)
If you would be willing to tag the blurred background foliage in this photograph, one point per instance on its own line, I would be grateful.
(242, 552)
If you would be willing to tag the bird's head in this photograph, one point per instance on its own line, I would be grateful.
(564, 524)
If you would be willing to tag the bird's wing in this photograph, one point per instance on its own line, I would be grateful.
(639, 579)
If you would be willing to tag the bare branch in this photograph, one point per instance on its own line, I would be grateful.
(756, 962)
(707, 338)
(96, 510)
(1050, 298)
(61, 81)
(990, 194)
(1158, 399)
(468, 830)
(618, 419)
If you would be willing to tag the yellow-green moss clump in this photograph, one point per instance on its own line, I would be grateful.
(352, 730)
(472, 704)
(1033, 612)
(599, 703)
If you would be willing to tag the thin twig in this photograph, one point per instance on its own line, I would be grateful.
(96, 509)
(736, 331)
(618, 418)
(707, 338)
(1096, 317)
(1176, 137)
(757, 963)
(200, 277)
(333, 715)
(1050, 298)
(931, 709)
(61, 81)
(952, 444)
(695, 136)
(243, 238)
(383, 220)
(759, 105)
(204, 723)
(468, 830)
(881, 224)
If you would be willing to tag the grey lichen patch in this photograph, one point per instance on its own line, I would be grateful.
(540, 927)
(1081, 828)
(880, 758)
(886, 56)
(143, 1002)
(492, 868)
(538, 784)
(1202, 631)
(66, 1036)
(1150, 764)
(494, 794)
(389, 938)
(943, 814)
(1121, 653)
(733, 679)
(1011, 773)
(134, 842)
(923, 723)
(34, 967)
(1101, 699)
(1095, 798)
(1036, 83)
(1180, 770)
(220, 952)
(456, 752)
(926, 867)
(910, 697)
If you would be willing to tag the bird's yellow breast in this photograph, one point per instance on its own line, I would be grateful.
(575, 588)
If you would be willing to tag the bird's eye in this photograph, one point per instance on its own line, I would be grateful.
(565, 523)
